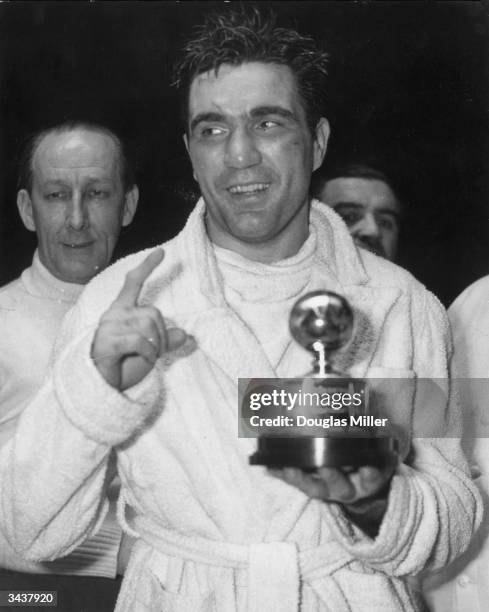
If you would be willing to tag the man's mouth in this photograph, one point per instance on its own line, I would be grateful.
(77, 245)
(249, 189)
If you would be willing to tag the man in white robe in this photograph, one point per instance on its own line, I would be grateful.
(148, 364)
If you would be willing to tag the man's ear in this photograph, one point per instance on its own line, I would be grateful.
(130, 205)
(320, 141)
(24, 204)
(185, 140)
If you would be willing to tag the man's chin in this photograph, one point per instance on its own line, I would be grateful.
(78, 274)
(252, 227)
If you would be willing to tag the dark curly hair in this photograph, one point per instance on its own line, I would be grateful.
(244, 34)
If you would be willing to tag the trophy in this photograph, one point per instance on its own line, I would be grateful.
(323, 322)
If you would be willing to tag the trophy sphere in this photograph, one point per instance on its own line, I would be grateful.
(321, 316)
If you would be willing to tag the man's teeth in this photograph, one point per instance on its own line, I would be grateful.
(249, 188)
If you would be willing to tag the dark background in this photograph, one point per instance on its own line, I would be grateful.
(409, 84)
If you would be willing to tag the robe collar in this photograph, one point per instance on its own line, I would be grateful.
(337, 266)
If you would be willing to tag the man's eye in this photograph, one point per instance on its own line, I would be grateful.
(386, 223)
(100, 194)
(56, 195)
(267, 124)
(211, 131)
(350, 218)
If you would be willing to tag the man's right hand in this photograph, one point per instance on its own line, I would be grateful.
(130, 338)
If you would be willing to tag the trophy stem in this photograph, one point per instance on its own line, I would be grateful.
(322, 365)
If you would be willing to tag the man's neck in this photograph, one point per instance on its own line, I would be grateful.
(39, 281)
(287, 244)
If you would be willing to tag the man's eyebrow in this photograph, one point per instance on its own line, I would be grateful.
(357, 206)
(261, 111)
(66, 183)
(347, 204)
(98, 179)
(201, 117)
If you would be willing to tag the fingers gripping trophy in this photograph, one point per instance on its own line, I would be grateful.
(323, 322)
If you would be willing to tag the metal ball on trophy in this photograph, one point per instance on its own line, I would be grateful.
(323, 323)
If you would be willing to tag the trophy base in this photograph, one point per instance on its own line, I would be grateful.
(312, 453)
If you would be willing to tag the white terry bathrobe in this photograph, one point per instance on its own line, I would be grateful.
(215, 533)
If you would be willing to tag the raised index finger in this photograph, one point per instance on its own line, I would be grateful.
(131, 289)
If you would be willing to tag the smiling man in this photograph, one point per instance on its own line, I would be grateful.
(150, 358)
(76, 192)
(252, 153)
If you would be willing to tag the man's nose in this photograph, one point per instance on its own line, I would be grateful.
(241, 149)
(368, 226)
(76, 212)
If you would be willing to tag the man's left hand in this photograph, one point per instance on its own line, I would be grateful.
(362, 492)
(335, 485)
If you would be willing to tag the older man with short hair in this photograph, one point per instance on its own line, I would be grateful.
(76, 191)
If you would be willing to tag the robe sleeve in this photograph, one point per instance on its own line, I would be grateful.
(433, 506)
(54, 471)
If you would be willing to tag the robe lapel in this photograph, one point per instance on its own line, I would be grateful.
(347, 276)
(231, 345)
(371, 307)
(221, 335)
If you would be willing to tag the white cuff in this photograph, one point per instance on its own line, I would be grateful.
(104, 414)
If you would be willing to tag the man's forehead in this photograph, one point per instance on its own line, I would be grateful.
(368, 192)
(240, 89)
(75, 149)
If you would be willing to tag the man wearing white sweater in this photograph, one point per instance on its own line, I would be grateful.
(75, 192)
(148, 364)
